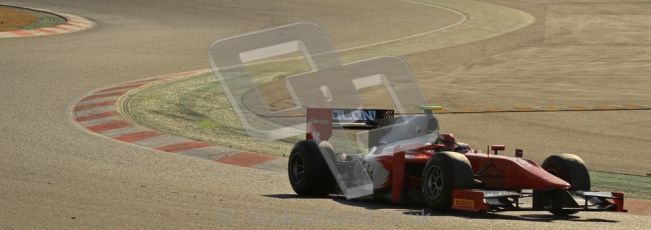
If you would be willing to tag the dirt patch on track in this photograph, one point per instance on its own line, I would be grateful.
(12, 19)
(17, 18)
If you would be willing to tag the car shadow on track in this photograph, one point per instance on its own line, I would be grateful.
(421, 210)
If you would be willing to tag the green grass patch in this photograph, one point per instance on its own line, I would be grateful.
(633, 186)
(197, 108)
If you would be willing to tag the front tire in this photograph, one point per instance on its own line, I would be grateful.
(444, 172)
(571, 169)
(308, 172)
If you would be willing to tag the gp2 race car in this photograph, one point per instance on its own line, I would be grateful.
(403, 158)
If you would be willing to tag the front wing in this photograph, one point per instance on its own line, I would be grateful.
(540, 200)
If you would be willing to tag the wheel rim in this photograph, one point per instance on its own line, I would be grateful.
(434, 183)
(297, 169)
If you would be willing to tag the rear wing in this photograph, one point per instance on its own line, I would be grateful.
(321, 121)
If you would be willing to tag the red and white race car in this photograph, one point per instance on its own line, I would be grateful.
(403, 158)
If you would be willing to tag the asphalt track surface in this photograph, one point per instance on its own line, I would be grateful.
(52, 175)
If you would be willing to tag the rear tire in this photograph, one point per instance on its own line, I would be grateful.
(444, 172)
(308, 172)
(571, 169)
